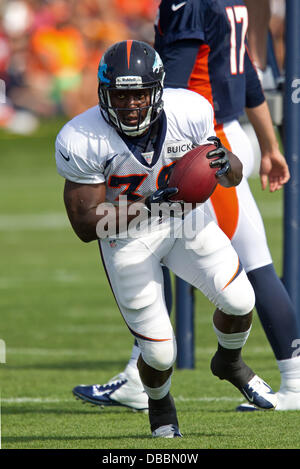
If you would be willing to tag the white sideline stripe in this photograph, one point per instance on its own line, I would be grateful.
(248, 349)
(33, 400)
(41, 351)
(209, 399)
(42, 221)
(49, 400)
(59, 220)
(72, 352)
(60, 352)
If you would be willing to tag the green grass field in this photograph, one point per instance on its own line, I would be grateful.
(61, 327)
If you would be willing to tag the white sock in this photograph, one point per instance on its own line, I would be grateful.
(290, 373)
(232, 341)
(135, 353)
(158, 393)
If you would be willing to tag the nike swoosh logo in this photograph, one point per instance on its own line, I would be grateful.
(250, 399)
(97, 393)
(67, 158)
(176, 7)
(113, 387)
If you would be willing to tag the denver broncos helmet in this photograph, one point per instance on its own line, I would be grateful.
(130, 65)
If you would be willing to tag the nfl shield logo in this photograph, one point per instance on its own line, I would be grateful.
(112, 243)
(148, 156)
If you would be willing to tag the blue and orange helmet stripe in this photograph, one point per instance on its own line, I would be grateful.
(128, 47)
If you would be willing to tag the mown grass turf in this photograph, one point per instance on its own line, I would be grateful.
(61, 327)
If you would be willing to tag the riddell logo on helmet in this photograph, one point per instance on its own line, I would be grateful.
(129, 80)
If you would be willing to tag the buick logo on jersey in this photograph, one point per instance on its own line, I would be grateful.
(178, 149)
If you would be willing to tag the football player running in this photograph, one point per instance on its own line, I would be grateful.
(126, 147)
(203, 47)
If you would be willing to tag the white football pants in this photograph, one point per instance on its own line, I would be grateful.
(206, 260)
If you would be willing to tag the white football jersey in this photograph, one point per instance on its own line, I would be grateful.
(90, 151)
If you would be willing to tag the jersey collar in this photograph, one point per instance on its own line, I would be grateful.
(136, 144)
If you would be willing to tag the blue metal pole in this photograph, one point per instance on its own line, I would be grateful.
(185, 324)
(291, 258)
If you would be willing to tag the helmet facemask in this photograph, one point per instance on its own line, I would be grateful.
(131, 65)
(113, 117)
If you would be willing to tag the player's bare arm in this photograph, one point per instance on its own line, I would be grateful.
(274, 168)
(83, 204)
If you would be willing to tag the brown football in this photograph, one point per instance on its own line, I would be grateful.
(193, 177)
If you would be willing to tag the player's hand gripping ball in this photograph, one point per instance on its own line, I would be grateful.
(194, 174)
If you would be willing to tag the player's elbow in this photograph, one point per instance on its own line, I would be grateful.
(84, 233)
(238, 173)
(235, 175)
(236, 168)
(86, 238)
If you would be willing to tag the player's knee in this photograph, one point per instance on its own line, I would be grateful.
(159, 355)
(239, 297)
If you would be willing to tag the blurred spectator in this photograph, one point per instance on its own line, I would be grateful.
(16, 17)
(50, 49)
(100, 26)
(139, 16)
(4, 54)
(57, 53)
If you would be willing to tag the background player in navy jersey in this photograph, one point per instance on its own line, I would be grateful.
(204, 49)
(209, 37)
(121, 149)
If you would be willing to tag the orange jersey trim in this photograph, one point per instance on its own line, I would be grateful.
(238, 270)
(129, 44)
(167, 174)
(224, 199)
(136, 334)
(199, 80)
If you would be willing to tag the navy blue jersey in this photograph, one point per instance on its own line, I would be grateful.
(203, 46)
